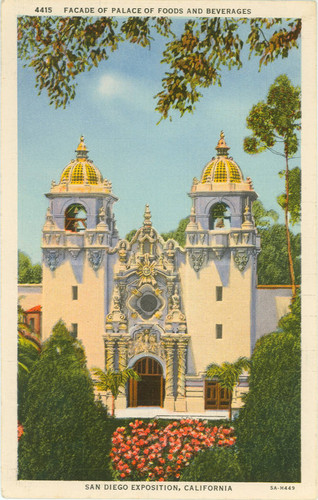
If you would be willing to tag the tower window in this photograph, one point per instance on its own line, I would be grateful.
(75, 218)
(74, 330)
(219, 331)
(74, 292)
(220, 216)
(219, 293)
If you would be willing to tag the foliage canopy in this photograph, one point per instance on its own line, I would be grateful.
(178, 234)
(28, 273)
(272, 261)
(270, 418)
(294, 199)
(65, 430)
(273, 123)
(61, 48)
(214, 465)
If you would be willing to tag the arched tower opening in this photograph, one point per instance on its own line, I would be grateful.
(220, 216)
(75, 218)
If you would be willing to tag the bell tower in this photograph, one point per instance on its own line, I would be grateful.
(78, 232)
(220, 272)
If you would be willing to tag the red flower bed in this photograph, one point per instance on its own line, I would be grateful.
(146, 452)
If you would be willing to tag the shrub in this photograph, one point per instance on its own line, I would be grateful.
(215, 464)
(65, 431)
(268, 426)
(151, 452)
(28, 273)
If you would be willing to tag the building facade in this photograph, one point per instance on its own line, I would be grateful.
(165, 310)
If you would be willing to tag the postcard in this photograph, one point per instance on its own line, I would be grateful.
(159, 239)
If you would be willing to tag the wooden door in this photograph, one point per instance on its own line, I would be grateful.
(148, 391)
(216, 397)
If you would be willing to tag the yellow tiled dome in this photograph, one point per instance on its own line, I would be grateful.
(81, 170)
(222, 168)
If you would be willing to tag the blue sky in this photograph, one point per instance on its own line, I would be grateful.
(146, 162)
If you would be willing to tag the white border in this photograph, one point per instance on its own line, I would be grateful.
(307, 489)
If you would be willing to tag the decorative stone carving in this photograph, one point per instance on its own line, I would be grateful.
(241, 259)
(132, 260)
(116, 320)
(175, 300)
(192, 239)
(246, 238)
(122, 251)
(145, 342)
(53, 257)
(90, 238)
(169, 350)
(123, 294)
(95, 258)
(107, 184)
(219, 252)
(146, 301)
(74, 252)
(102, 215)
(146, 271)
(49, 216)
(170, 254)
(235, 237)
(247, 224)
(122, 354)
(49, 224)
(47, 237)
(202, 238)
(182, 350)
(147, 217)
(110, 354)
(161, 262)
(170, 287)
(175, 320)
(192, 223)
(197, 258)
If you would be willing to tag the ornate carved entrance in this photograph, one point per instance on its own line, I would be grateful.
(148, 391)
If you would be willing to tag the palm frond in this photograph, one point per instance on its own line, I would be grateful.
(112, 380)
(23, 366)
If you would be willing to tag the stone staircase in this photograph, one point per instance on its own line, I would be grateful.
(157, 412)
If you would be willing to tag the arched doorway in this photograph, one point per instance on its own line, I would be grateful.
(149, 390)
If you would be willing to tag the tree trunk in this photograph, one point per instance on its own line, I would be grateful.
(290, 259)
(113, 406)
(230, 407)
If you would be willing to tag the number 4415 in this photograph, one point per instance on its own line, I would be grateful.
(44, 10)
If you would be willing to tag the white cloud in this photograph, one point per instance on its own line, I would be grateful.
(129, 90)
(111, 85)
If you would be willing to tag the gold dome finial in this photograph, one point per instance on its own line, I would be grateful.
(81, 151)
(221, 147)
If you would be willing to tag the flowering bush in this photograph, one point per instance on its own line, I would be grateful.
(148, 452)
